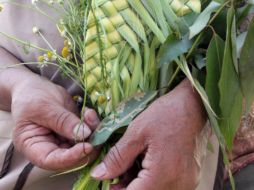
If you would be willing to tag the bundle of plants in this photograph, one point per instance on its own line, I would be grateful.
(126, 53)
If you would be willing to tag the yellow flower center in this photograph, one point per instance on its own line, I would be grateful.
(50, 55)
(65, 52)
(40, 58)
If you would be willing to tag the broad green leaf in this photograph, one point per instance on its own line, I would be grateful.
(185, 22)
(229, 86)
(121, 117)
(214, 61)
(172, 48)
(233, 44)
(203, 19)
(246, 66)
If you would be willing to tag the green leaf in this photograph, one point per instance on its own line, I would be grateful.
(123, 116)
(214, 61)
(233, 44)
(229, 86)
(203, 19)
(172, 48)
(246, 67)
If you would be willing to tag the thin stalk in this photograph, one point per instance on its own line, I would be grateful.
(41, 64)
(23, 42)
(173, 76)
(46, 41)
(218, 12)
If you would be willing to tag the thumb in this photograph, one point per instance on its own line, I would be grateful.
(120, 157)
(66, 124)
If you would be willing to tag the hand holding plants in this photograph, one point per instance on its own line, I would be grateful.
(165, 133)
(47, 124)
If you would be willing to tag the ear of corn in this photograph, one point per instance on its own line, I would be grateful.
(121, 40)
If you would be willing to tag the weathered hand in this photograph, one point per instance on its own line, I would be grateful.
(47, 125)
(165, 134)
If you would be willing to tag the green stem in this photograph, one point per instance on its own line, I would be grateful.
(23, 42)
(218, 12)
(173, 76)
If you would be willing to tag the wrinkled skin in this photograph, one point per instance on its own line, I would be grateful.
(165, 134)
(45, 117)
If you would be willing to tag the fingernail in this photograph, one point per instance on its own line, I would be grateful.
(81, 132)
(99, 171)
